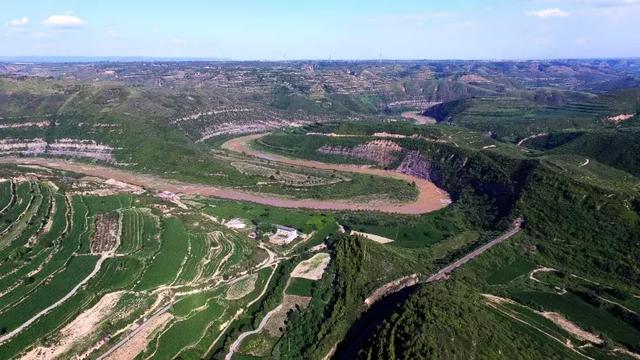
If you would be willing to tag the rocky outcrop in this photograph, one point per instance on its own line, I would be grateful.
(415, 164)
(381, 152)
(61, 147)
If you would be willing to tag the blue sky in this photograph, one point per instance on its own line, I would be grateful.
(300, 29)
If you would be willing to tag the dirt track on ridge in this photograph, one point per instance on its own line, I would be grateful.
(430, 197)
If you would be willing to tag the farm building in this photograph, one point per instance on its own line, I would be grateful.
(283, 235)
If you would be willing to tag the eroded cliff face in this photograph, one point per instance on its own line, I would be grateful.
(381, 152)
(61, 147)
(415, 164)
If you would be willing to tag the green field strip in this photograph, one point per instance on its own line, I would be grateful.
(32, 221)
(16, 269)
(9, 219)
(185, 333)
(165, 266)
(132, 231)
(56, 263)
(57, 287)
(6, 194)
(105, 204)
(225, 248)
(197, 252)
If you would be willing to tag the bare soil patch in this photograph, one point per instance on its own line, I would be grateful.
(277, 322)
(80, 328)
(391, 287)
(138, 343)
(541, 269)
(570, 327)
(106, 237)
(313, 268)
(620, 118)
(242, 288)
(377, 238)
(418, 118)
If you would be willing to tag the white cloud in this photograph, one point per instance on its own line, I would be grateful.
(178, 41)
(609, 3)
(18, 22)
(580, 41)
(42, 35)
(541, 41)
(64, 22)
(548, 13)
(112, 33)
(418, 18)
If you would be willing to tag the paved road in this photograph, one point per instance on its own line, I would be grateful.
(404, 282)
(447, 270)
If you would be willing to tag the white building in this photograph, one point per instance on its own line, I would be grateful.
(284, 235)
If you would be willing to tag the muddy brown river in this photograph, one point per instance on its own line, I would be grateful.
(430, 197)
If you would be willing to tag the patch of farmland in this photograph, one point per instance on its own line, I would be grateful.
(139, 342)
(104, 204)
(285, 177)
(16, 273)
(6, 193)
(23, 199)
(29, 221)
(535, 325)
(219, 250)
(196, 255)
(79, 329)
(165, 266)
(242, 287)
(13, 315)
(139, 231)
(300, 287)
(242, 250)
(184, 333)
(107, 234)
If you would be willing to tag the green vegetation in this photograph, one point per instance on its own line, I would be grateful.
(300, 287)
(174, 243)
(574, 181)
(450, 321)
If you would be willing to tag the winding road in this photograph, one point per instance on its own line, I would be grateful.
(430, 197)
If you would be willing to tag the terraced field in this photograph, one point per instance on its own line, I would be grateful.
(118, 276)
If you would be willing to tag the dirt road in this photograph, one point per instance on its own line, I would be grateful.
(430, 197)
(236, 344)
(72, 292)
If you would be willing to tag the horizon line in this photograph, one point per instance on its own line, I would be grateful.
(143, 58)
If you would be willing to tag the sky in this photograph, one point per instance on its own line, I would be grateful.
(327, 29)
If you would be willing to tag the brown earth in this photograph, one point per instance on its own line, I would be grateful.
(106, 236)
